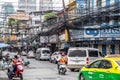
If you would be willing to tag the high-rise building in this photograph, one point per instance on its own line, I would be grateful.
(27, 5)
(6, 9)
(45, 5)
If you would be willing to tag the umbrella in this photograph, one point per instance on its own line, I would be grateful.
(3, 45)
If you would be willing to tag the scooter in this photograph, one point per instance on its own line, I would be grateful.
(18, 73)
(62, 69)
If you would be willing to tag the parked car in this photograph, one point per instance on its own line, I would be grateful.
(80, 56)
(30, 54)
(107, 68)
(42, 54)
(55, 56)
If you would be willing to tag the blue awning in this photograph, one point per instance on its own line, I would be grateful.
(3, 45)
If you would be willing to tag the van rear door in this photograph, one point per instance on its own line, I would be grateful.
(76, 57)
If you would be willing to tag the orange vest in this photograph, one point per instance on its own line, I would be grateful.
(62, 60)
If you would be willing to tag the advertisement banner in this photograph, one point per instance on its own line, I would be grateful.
(91, 33)
(110, 33)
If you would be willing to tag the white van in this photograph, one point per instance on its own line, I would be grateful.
(42, 54)
(80, 56)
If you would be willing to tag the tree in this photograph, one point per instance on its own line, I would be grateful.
(17, 23)
(11, 22)
(14, 23)
(48, 16)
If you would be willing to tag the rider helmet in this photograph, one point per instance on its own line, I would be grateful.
(63, 54)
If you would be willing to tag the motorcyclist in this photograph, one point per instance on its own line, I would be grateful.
(13, 68)
(62, 60)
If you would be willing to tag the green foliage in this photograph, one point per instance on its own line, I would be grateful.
(48, 16)
(12, 22)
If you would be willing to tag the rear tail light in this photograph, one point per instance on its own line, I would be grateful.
(87, 60)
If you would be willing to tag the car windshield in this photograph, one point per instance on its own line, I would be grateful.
(77, 53)
(46, 51)
(118, 62)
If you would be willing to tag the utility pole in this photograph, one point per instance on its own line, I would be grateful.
(89, 9)
(64, 10)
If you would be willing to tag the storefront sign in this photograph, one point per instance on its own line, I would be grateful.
(110, 33)
(76, 34)
(91, 33)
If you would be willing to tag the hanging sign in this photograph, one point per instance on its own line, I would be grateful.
(81, 3)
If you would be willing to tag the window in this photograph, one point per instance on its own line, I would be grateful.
(93, 53)
(105, 64)
(118, 62)
(46, 51)
(77, 53)
(95, 64)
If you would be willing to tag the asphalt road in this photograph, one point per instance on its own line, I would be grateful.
(42, 70)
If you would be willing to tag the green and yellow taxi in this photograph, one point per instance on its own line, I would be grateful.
(107, 68)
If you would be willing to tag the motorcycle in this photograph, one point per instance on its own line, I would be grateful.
(62, 69)
(18, 73)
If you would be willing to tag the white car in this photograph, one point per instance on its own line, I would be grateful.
(81, 56)
(30, 54)
(42, 54)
